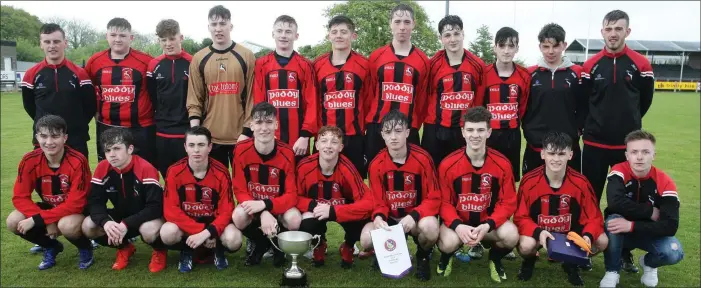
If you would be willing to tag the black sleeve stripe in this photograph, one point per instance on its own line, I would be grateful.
(203, 63)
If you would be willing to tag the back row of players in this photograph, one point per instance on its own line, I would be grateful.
(372, 102)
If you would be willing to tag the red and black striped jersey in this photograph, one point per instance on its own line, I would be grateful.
(291, 89)
(122, 95)
(398, 84)
(476, 195)
(453, 90)
(505, 99)
(572, 207)
(404, 189)
(343, 92)
(344, 190)
(197, 204)
(270, 178)
(64, 189)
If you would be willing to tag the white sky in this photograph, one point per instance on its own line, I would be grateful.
(650, 20)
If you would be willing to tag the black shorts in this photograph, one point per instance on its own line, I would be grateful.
(168, 151)
(440, 141)
(508, 142)
(532, 159)
(374, 141)
(353, 149)
(222, 153)
(144, 141)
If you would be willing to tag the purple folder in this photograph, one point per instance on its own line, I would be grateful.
(566, 251)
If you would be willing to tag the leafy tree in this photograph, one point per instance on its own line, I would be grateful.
(79, 33)
(483, 45)
(82, 54)
(17, 24)
(311, 52)
(206, 42)
(372, 20)
(191, 46)
(29, 51)
(262, 52)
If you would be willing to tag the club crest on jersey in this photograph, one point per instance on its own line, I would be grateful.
(408, 179)
(222, 67)
(273, 172)
(408, 71)
(486, 181)
(206, 194)
(127, 74)
(64, 182)
(513, 91)
(466, 79)
(349, 79)
(335, 187)
(565, 201)
(291, 77)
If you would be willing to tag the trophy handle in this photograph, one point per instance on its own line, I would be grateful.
(318, 241)
(273, 242)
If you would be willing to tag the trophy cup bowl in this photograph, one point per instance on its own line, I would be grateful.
(295, 243)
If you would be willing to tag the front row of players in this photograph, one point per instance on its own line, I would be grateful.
(474, 195)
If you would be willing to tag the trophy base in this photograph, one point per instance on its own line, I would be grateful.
(294, 282)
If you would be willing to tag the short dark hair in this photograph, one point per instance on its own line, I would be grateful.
(263, 110)
(557, 141)
(167, 28)
(477, 114)
(116, 135)
(334, 130)
(119, 23)
(640, 135)
(49, 28)
(286, 19)
(220, 12)
(402, 7)
(197, 131)
(616, 15)
(393, 118)
(552, 31)
(54, 123)
(451, 20)
(504, 34)
(341, 19)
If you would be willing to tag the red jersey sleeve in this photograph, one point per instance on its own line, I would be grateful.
(448, 213)
(506, 206)
(311, 109)
(380, 207)
(77, 194)
(591, 219)
(258, 81)
(171, 207)
(24, 185)
(431, 203)
(225, 206)
(239, 183)
(362, 198)
(526, 91)
(526, 225)
(422, 92)
(303, 202)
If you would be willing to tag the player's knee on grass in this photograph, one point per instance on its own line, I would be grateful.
(240, 218)
(90, 229)
(150, 230)
(170, 233)
(71, 226)
(428, 229)
(527, 246)
(292, 219)
(601, 243)
(12, 220)
(365, 238)
(507, 235)
(231, 238)
(448, 240)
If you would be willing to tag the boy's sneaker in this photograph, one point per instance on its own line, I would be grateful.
(610, 280)
(185, 263)
(123, 256)
(85, 258)
(50, 254)
(158, 260)
(649, 278)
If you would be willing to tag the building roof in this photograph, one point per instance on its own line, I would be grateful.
(23, 66)
(9, 43)
(580, 44)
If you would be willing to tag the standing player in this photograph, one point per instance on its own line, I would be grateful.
(505, 89)
(264, 185)
(643, 212)
(556, 198)
(198, 203)
(455, 76)
(478, 196)
(342, 80)
(617, 101)
(555, 102)
(331, 189)
(60, 175)
(219, 91)
(167, 86)
(131, 185)
(119, 76)
(399, 81)
(285, 79)
(57, 86)
(405, 191)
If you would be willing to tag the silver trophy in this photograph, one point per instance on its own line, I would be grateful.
(294, 243)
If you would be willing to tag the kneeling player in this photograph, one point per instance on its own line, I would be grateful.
(264, 185)
(478, 197)
(59, 174)
(331, 189)
(131, 184)
(405, 191)
(198, 203)
(556, 198)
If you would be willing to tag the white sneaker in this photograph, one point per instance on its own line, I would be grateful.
(610, 280)
(268, 254)
(649, 278)
(356, 250)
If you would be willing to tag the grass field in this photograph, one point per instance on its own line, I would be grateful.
(673, 118)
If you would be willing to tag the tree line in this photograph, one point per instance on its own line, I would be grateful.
(371, 19)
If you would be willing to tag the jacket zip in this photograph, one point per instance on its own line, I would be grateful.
(172, 72)
(124, 188)
(56, 78)
(614, 70)
(552, 79)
